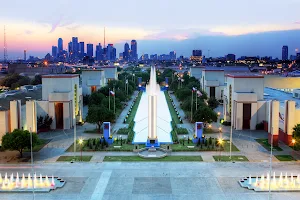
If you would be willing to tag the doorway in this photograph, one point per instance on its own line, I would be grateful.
(93, 89)
(212, 92)
(246, 115)
(59, 115)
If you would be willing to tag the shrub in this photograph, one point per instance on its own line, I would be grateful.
(210, 141)
(123, 131)
(174, 136)
(213, 103)
(226, 123)
(260, 126)
(182, 131)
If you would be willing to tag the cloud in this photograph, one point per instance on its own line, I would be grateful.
(73, 28)
(28, 32)
(181, 34)
(62, 21)
(298, 22)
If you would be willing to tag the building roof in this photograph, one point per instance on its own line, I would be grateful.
(244, 76)
(60, 76)
(213, 70)
(107, 67)
(91, 70)
(281, 96)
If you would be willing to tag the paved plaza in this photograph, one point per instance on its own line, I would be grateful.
(160, 180)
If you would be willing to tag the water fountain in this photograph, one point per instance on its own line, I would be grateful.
(274, 183)
(29, 183)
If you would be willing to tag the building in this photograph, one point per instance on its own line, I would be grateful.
(121, 56)
(59, 102)
(60, 46)
(54, 51)
(285, 53)
(146, 57)
(75, 47)
(153, 57)
(196, 56)
(230, 57)
(99, 52)
(126, 53)
(90, 51)
(213, 82)
(134, 55)
(81, 49)
(110, 73)
(92, 80)
(70, 51)
(196, 71)
(172, 55)
(111, 52)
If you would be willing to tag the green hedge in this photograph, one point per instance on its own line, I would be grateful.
(123, 131)
(174, 136)
(182, 131)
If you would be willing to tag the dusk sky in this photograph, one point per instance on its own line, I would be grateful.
(36, 25)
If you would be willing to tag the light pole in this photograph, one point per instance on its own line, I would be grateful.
(220, 146)
(121, 139)
(271, 154)
(31, 155)
(80, 143)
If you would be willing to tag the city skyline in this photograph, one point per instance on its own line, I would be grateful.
(37, 34)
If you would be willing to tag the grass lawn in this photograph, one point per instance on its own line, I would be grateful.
(210, 130)
(181, 147)
(165, 159)
(285, 158)
(77, 158)
(39, 146)
(233, 158)
(172, 110)
(266, 145)
(96, 131)
(124, 147)
(134, 108)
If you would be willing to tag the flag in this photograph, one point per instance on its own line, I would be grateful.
(194, 89)
(199, 93)
(112, 93)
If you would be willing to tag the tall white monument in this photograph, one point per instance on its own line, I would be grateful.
(152, 90)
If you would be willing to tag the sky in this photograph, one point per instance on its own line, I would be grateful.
(35, 25)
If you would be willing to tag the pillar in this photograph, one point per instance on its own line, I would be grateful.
(289, 121)
(239, 116)
(66, 115)
(274, 122)
(253, 120)
(52, 114)
(31, 116)
(15, 115)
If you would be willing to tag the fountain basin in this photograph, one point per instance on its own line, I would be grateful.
(152, 153)
(282, 183)
(28, 183)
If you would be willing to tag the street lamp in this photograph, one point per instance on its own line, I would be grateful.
(220, 129)
(80, 142)
(220, 140)
(293, 142)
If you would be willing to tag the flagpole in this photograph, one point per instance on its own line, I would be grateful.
(192, 106)
(114, 102)
(109, 98)
(196, 101)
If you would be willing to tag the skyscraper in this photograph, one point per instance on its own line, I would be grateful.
(134, 55)
(75, 47)
(111, 52)
(197, 56)
(54, 51)
(90, 49)
(70, 49)
(172, 55)
(60, 46)
(197, 52)
(285, 53)
(126, 52)
(81, 49)
(99, 52)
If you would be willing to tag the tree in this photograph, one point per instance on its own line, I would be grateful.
(96, 98)
(183, 93)
(213, 103)
(205, 114)
(19, 140)
(36, 80)
(99, 114)
(296, 136)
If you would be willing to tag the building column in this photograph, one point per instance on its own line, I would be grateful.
(239, 116)
(52, 114)
(253, 120)
(289, 121)
(15, 115)
(274, 123)
(66, 115)
(31, 118)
